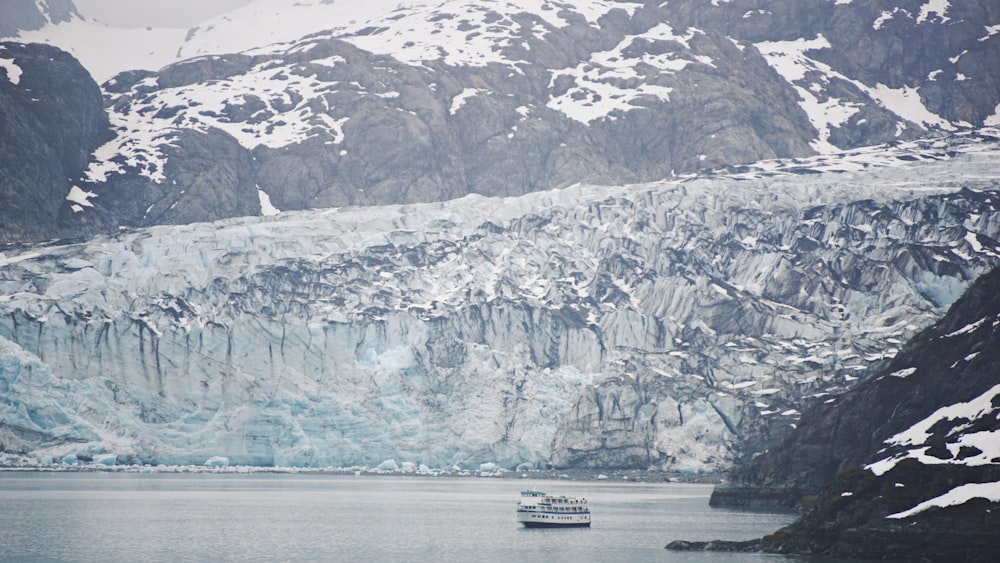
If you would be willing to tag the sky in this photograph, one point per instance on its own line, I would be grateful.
(158, 13)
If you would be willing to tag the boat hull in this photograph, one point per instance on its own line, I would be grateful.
(556, 525)
(532, 519)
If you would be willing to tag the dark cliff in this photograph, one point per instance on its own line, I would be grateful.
(51, 120)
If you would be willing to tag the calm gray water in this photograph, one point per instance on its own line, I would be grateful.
(206, 517)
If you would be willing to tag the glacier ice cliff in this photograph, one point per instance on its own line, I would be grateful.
(671, 325)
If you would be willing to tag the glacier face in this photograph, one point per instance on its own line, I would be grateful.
(656, 325)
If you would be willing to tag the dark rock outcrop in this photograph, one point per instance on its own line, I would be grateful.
(51, 120)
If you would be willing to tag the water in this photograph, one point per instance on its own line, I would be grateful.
(205, 517)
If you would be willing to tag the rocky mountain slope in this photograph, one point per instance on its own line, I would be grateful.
(657, 325)
(907, 464)
(29, 15)
(435, 101)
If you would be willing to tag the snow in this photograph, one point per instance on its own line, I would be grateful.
(959, 495)
(937, 7)
(971, 327)
(905, 102)
(142, 13)
(266, 207)
(453, 32)
(809, 76)
(80, 198)
(285, 91)
(790, 60)
(903, 372)
(13, 71)
(459, 100)
(916, 437)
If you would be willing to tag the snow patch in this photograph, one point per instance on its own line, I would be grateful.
(459, 100)
(80, 198)
(12, 69)
(959, 495)
(266, 207)
(903, 372)
(937, 7)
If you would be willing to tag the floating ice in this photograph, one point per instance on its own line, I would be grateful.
(217, 461)
(105, 459)
(388, 465)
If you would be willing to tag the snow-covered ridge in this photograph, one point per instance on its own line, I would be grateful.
(461, 32)
(660, 319)
(261, 22)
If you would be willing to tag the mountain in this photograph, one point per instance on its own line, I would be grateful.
(669, 325)
(906, 465)
(28, 15)
(433, 101)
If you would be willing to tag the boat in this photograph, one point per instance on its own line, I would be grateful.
(539, 510)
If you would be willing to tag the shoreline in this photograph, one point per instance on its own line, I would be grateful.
(615, 475)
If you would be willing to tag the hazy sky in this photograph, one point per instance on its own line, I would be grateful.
(156, 13)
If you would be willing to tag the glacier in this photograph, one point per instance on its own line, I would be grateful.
(672, 325)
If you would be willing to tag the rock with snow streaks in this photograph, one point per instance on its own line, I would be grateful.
(433, 104)
(662, 325)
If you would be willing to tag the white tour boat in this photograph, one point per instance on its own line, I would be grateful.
(539, 510)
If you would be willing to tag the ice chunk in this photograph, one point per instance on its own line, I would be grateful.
(217, 461)
(388, 465)
(105, 459)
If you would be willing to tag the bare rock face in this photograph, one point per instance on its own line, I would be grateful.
(211, 166)
(51, 119)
